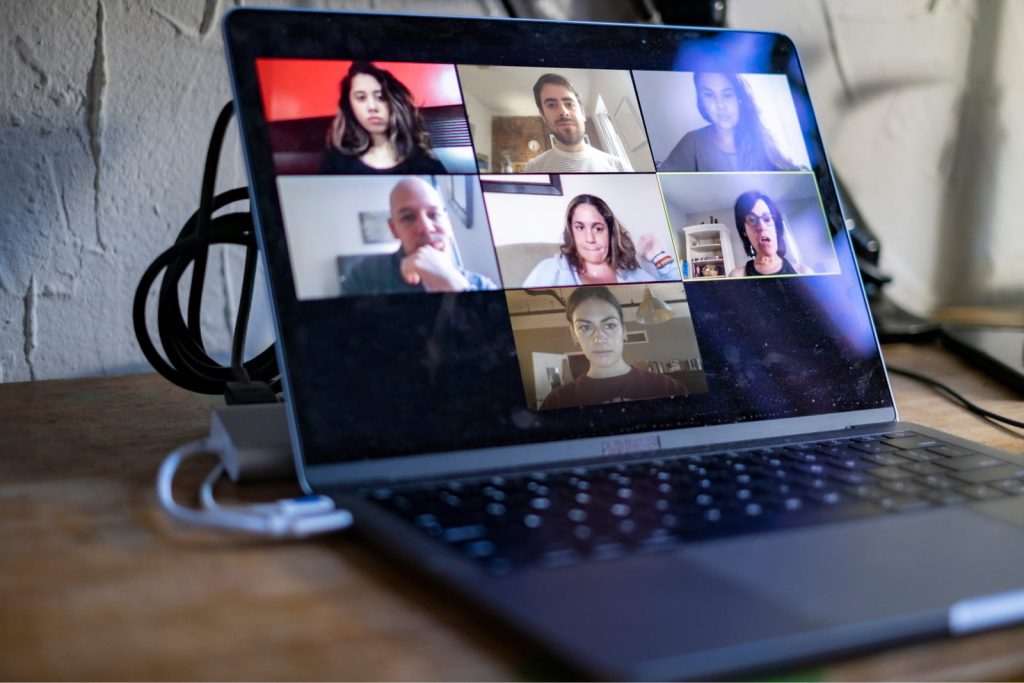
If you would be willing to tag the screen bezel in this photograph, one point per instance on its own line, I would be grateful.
(250, 34)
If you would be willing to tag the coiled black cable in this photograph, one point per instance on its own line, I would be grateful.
(187, 363)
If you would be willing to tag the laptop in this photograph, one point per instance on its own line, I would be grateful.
(568, 317)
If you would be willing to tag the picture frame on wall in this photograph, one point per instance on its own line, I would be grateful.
(373, 226)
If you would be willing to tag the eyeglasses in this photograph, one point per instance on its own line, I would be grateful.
(752, 219)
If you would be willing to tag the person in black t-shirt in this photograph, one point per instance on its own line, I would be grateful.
(763, 231)
(377, 128)
(595, 323)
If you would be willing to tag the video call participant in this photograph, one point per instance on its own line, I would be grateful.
(425, 261)
(735, 140)
(561, 109)
(377, 128)
(760, 225)
(596, 326)
(597, 249)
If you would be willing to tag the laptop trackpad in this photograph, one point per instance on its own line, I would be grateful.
(895, 565)
(1009, 510)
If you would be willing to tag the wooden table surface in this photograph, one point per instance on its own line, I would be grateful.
(97, 583)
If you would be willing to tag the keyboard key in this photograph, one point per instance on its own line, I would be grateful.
(911, 441)
(626, 527)
(938, 481)
(461, 534)
(801, 456)
(560, 557)
(479, 549)
(793, 504)
(660, 539)
(889, 473)
(869, 491)
(1015, 487)
(949, 451)
(577, 515)
(851, 477)
(970, 462)
(840, 451)
(989, 474)
(886, 459)
(904, 486)
(608, 551)
(903, 503)
(855, 463)
(923, 468)
(919, 455)
(827, 497)
(381, 494)
(873, 447)
(980, 492)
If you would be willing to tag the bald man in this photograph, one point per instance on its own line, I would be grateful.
(425, 261)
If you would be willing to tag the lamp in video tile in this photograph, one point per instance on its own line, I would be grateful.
(653, 310)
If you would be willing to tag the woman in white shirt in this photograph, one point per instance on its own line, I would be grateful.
(597, 249)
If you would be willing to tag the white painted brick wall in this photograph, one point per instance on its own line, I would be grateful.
(105, 113)
(921, 106)
(106, 107)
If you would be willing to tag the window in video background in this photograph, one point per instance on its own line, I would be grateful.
(605, 358)
(721, 122)
(702, 209)
(341, 242)
(617, 231)
(512, 135)
(301, 102)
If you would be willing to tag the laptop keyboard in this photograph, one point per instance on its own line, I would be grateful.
(555, 518)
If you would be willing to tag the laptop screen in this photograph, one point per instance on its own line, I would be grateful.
(487, 233)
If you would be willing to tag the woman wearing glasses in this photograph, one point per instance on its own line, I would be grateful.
(763, 231)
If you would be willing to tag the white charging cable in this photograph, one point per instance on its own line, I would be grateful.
(286, 518)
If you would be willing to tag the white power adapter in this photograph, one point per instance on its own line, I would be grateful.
(253, 443)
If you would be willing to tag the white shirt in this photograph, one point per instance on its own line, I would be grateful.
(590, 160)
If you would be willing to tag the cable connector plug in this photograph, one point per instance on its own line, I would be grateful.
(252, 442)
(247, 393)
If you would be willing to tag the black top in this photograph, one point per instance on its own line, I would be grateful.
(786, 269)
(336, 161)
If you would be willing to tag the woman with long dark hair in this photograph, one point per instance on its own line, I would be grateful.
(735, 138)
(377, 128)
(597, 249)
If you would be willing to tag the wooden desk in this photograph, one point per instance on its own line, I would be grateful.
(96, 583)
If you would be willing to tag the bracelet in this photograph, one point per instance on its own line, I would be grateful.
(661, 259)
